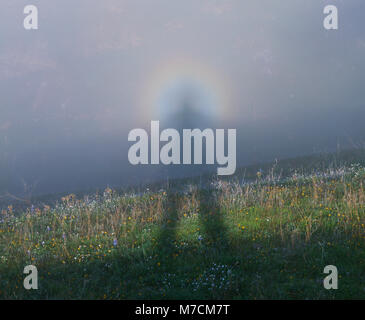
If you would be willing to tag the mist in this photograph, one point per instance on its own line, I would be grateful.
(71, 91)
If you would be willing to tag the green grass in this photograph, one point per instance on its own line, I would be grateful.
(270, 239)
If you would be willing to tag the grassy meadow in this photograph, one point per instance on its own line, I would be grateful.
(268, 236)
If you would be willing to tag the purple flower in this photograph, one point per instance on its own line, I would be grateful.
(115, 242)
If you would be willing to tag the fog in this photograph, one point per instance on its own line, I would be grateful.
(71, 91)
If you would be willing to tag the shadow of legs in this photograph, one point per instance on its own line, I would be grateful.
(167, 235)
(211, 219)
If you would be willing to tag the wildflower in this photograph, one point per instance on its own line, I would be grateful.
(115, 242)
(200, 238)
(259, 173)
